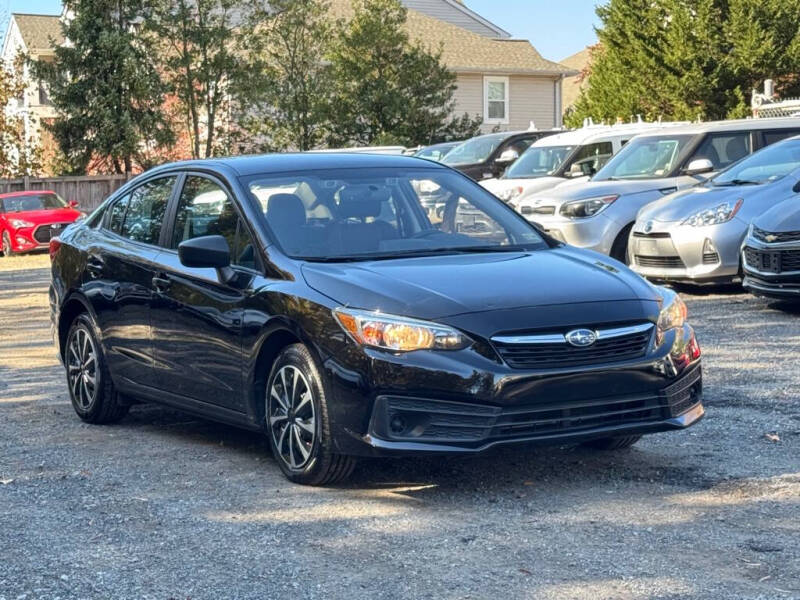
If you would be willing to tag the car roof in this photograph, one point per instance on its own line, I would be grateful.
(305, 161)
(732, 125)
(595, 133)
(25, 193)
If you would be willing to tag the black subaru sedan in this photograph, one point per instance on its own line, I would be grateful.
(314, 298)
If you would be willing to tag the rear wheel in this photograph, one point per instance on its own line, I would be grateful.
(297, 421)
(91, 390)
(7, 249)
(613, 443)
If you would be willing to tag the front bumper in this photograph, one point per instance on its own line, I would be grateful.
(767, 270)
(468, 403)
(592, 233)
(671, 252)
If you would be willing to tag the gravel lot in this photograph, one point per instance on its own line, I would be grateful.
(167, 506)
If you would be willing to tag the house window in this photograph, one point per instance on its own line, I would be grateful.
(495, 100)
(44, 97)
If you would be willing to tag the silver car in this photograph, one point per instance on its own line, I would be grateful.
(599, 214)
(771, 252)
(696, 235)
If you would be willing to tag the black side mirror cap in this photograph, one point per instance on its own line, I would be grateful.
(206, 252)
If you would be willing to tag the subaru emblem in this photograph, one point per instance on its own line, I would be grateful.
(581, 338)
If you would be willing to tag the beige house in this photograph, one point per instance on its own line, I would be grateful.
(505, 81)
(573, 86)
(34, 36)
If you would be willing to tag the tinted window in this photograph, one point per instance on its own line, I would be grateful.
(770, 164)
(387, 213)
(117, 215)
(204, 208)
(770, 137)
(476, 150)
(146, 208)
(46, 201)
(723, 149)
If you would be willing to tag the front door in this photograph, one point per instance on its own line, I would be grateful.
(196, 319)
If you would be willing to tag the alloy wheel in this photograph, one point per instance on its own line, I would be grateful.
(291, 417)
(82, 368)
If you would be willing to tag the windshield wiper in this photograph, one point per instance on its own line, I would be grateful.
(734, 182)
(419, 252)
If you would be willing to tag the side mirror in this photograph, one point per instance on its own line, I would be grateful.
(211, 252)
(507, 157)
(73, 204)
(699, 166)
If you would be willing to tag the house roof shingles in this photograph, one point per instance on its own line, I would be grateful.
(465, 51)
(39, 31)
(573, 86)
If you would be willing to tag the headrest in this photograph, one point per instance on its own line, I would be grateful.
(286, 210)
(362, 201)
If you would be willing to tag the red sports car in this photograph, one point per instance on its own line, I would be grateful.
(28, 220)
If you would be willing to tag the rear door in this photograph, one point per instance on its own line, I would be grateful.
(120, 266)
(197, 319)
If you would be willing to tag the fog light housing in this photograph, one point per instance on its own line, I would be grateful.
(710, 254)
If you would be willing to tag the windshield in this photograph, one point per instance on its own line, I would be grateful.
(437, 152)
(539, 161)
(476, 150)
(353, 214)
(45, 201)
(645, 158)
(765, 166)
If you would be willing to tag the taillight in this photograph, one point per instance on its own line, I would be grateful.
(55, 246)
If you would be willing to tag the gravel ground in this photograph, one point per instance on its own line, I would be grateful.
(167, 506)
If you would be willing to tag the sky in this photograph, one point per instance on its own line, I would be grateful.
(557, 30)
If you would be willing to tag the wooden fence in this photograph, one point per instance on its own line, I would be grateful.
(89, 191)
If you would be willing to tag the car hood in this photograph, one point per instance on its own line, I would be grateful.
(442, 286)
(43, 217)
(529, 186)
(591, 189)
(784, 216)
(683, 204)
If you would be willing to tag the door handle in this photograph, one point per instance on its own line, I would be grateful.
(95, 265)
(161, 282)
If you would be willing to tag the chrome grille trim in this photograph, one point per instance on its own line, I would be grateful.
(558, 338)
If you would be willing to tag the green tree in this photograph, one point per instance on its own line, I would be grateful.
(386, 88)
(19, 156)
(105, 88)
(688, 59)
(199, 51)
(286, 96)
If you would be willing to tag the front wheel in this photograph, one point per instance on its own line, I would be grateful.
(297, 422)
(7, 249)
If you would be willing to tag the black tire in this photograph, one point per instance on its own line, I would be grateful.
(619, 250)
(7, 249)
(291, 405)
(98, 403)
(613, 443)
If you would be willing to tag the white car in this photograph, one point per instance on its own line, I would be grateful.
(569, 156)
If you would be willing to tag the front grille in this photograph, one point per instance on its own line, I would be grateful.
(561, 355)
(538, 210)
(775, 237)
(772, 261)
(664, 262)
(44, 233)
(710, 258)
(427, 420)
(658, 235)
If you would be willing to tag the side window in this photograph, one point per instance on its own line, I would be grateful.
(204, 208)
(770, 137)
(724, 149)
(592, 157)
(146, 207)
(117, 215)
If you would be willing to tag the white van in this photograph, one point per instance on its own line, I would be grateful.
(569, 156)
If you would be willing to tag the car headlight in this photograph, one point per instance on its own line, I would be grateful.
(580, 209)
(398, 334)
(714, 216)
(509, 194)
(20, 223)
(673, 313)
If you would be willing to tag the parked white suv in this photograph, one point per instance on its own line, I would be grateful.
(599, 214)
(569, 156)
